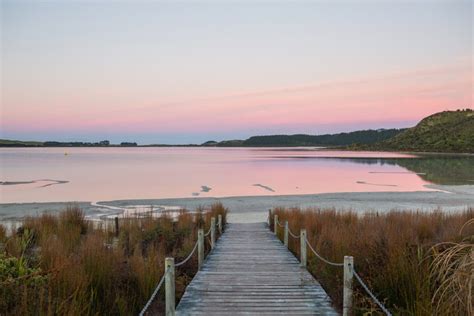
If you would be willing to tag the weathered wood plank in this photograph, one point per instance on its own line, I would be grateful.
(250, 272)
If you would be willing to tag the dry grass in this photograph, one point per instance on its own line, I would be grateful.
(453, 269)
(63, 265)
(393, 252)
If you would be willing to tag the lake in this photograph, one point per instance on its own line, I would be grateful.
(93, 174)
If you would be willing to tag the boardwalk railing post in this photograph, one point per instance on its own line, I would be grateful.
(200, 248)
(286, 234)
(213, 232)
(275, 224)
(169, 287)
(303, 248)
(116, 226)
(219, 223)
(347, 290)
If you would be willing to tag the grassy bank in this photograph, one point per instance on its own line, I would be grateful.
(416, 263)
(65, 265)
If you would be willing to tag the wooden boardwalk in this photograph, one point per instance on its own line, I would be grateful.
(250, 272)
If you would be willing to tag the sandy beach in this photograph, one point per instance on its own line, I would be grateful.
(255, 208)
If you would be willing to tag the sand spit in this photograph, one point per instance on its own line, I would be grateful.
(264, 187)
(44, 182)
(255, 208)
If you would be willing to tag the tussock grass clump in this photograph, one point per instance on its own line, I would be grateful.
(453, 269)
(417, 263)
(63, 265)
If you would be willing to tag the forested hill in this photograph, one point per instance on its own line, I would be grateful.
(449, 131)
(340, 139)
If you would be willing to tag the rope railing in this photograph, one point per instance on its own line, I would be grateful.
(168, 276)
(289, 230)
(157, 289)
(349, 271)
(153, 295)
(368, 291)
(293, 235)
(322, 258)
(189, 256)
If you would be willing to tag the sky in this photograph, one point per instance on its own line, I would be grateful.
(188, 72)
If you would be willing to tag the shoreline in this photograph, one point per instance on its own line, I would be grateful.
(311, 147)
(255, 208)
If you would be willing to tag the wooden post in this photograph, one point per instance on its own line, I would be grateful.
(169, 287)
(303, 248)
(347, 289)
(219, 223)
(116, 226)
(286, 234)
(213, 232)
(200, 248)
(275, 225)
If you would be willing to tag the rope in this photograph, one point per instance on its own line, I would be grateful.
(163, 278)
(188, 257)
(323, 259)
(293, 235)
(154, 294)
(208, 232)
(289, 231)
(382, 307)
(209, 241)
(364, 286)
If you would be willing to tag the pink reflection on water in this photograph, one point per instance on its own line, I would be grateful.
(141, 173)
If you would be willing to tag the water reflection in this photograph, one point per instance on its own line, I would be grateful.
(98, 174)
(443, 169)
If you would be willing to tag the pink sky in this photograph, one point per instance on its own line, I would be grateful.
(396, 97)
(156, 72)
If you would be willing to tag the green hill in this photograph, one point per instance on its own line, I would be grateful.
(340, 139)
(449, 131)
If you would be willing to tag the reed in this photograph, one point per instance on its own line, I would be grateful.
(398, 254)
(65, 265)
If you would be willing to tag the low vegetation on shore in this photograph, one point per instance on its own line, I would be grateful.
(65, 265)
(416, 263)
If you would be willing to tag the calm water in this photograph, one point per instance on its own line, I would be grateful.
(92, 174)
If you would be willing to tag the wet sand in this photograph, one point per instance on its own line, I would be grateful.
(255, 208)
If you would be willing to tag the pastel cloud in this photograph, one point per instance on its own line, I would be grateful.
(393, 97)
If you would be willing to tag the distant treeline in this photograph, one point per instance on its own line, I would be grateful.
(364, 137)
(104, 143)
(340, 139)
(77, 144)
(449, 131)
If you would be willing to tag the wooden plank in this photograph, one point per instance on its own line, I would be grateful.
(250, 272)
